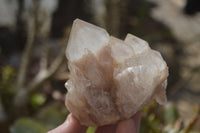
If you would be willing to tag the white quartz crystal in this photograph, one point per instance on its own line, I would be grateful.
(140, 46)
(85, 36)
(111, 79)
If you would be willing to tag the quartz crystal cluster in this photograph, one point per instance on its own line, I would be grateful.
(111, 79)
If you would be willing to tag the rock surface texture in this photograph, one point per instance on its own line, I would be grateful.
(111, 79)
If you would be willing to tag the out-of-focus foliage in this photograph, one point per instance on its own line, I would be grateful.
(51, 117)
(91, 130)
(166, 120)
(24, 125)
(37, 100)
(6, 86)
(47, 119)
(170, 113)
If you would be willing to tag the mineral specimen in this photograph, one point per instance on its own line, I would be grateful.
(111, 79)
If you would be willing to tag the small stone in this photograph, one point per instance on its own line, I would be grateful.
(111, 79)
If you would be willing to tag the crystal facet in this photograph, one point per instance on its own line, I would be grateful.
(111, 79)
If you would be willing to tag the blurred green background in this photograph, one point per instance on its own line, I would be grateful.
(33, 66)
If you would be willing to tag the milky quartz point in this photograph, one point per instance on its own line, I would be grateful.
(111, 79)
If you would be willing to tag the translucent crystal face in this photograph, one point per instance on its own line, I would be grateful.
(111, 79)
(83, 37)
(140, 46)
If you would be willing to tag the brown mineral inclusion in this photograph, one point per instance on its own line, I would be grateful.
(111, 79)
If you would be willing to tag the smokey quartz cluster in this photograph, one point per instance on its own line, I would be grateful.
(111, 79)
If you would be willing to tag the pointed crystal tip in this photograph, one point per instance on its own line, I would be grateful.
(85, 36)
